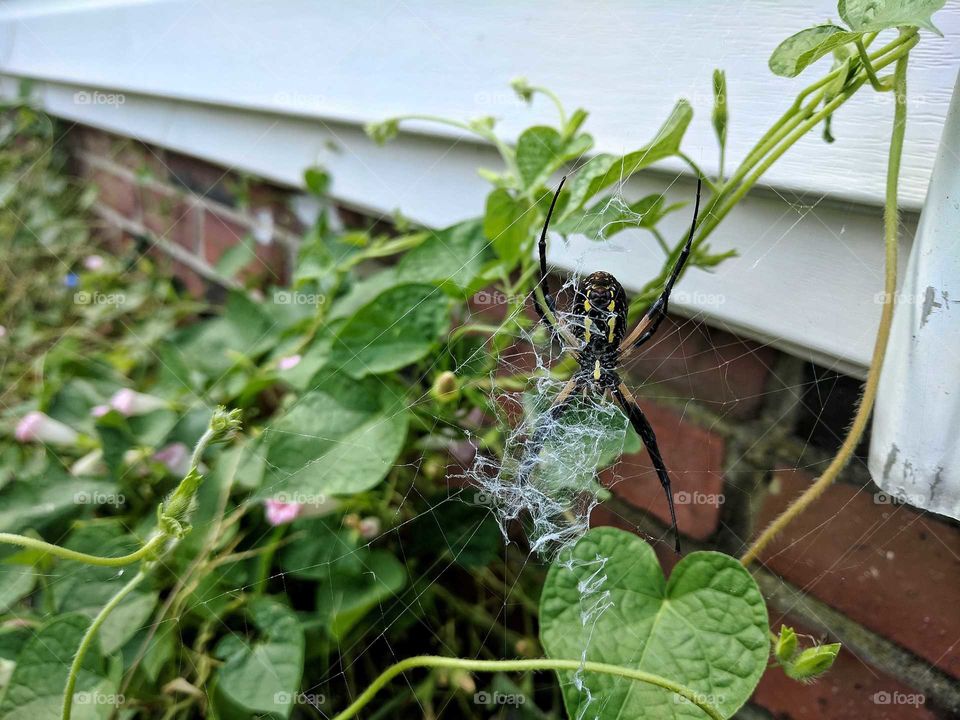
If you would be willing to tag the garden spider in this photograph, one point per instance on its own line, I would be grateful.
(601, 345)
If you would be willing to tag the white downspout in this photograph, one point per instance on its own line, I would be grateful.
(915, 443)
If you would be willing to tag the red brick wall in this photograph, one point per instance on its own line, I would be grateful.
(743, 428)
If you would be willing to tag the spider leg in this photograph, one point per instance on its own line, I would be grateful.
(640, 423)
(534, 443)
(543, 303)
(658, 311)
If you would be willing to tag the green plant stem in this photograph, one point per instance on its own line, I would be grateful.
(778, 139)
(698, 171)
(88, 637)
(505, 152)
(868, 67)
(555, 99)
(891, 221)
(714, 217)
(433, 661)
(145, 552)
(792, 117)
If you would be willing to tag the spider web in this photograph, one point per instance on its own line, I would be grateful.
(541, 517)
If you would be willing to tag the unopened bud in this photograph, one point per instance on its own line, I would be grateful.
(812, 662)
(446, 387)
(786, 646)
(224, 423)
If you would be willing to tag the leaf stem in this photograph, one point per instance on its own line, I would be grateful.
(434, 661)
(66, 554)
(891, 222)
(556, 101)
(505, 152)
(713, 218)
(868, 67)
(88, 637)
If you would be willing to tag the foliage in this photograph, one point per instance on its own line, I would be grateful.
(276, 567)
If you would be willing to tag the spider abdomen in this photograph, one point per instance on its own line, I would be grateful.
(600, 310)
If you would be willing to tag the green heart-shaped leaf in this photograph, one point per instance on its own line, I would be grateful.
(506, 222)
(604, 170)
(399, 327)
(341, 438)
(706, 628)
(801, 49)
(876, 15)
(261, 675)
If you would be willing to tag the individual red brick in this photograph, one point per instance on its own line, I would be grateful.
(144, 160)
(850, 690)
(195, 285)
(889, 567)
(718, 369)
(172, 217)
(116, 193)
(693, 456)
(221, 234)
(205, 179)
(92, 140)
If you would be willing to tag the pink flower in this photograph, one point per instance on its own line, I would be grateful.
(93, 262)
(176, 457)
(39, 427)
(281, 513)
(89, 464)
(369, 527)
(289, 362)
(99, 410)
(130, 403)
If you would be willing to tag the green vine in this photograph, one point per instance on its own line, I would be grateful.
(428, 661)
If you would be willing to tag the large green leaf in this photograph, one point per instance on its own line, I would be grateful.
(506, 222)
(319, 544)
(604, 170)
(35, 502)
(351, 591)
(397, 328)
(453, 256)
(87, 588)
(340, 439)
(706, 628)
(16, 581)
(262, 674)
(798, 51)
(213, 347)
(875, 15)
(541, 150)
(609, 216)
(35, 691)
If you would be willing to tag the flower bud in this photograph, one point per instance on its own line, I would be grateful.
(89, 464)
(446, 387)
(369, 527)
(131, 403)
(224, 423)
(279, 512)
(40, 427)
(812, 662)
(786, 646)
(289, 362)
(522, 88)
(383, 132)
(176, 458)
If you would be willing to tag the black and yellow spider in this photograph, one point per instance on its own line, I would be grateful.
(598, 339)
